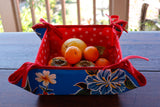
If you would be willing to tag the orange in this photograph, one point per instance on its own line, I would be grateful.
(91, 53)
(73, 54)
(73, 42)
(102, 62)
(58, 61)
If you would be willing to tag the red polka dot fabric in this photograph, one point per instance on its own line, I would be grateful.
(92, 35)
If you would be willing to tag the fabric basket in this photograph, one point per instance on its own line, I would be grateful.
(41, 79)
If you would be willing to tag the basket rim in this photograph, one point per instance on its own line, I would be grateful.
(39, 25)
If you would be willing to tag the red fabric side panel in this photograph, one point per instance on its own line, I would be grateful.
(44, 51)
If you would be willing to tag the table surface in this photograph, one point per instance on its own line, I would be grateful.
(17, 48)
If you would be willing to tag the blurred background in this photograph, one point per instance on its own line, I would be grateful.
(142, 15)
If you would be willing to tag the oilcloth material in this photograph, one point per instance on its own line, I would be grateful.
(116, 78)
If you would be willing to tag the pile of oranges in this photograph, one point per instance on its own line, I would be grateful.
(76, 53)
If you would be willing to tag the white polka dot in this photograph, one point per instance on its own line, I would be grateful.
(73, 30)
(94, 29)
(100, 33)
(81, 36)
(94, 35)
(42, 51)
(43, 45)
(28, 65)
(42, 60)
(45, 51)
(86, 32)
(45, 40)
(80, 29)
(118, 56)
(91, 39)
(101, 41)
(66, 33)
(40, 55)
(44, 57)
(107, 30)
(126, 64)
(46, 36)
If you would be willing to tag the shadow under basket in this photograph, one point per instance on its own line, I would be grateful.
(39, 78)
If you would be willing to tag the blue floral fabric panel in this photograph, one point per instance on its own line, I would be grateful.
(59, 82)
(40, 32)
(79, 82)
(109, 82)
